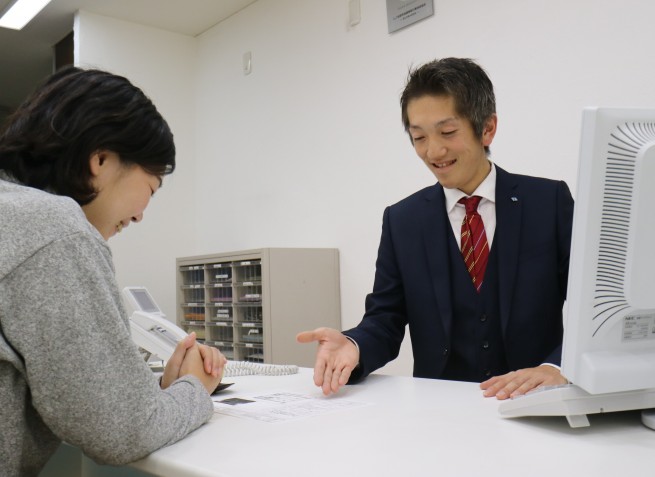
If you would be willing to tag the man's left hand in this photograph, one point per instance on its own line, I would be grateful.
(520, 382)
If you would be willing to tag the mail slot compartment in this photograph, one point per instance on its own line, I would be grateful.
(219, 273)
(193, 275)
(198, 328)
(220, 293)
(220, 312)
(249, 333)
(220, 332)
(249, 292)
(248, 312)
(249, 352)
(193, 312)
(194, 294)
(247, 271)
(226, 348)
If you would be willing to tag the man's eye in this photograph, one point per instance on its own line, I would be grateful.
(449, 133)
(419, 138)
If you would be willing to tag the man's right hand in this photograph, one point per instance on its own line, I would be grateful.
(336, 357)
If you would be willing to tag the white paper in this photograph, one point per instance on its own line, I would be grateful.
(280, 406)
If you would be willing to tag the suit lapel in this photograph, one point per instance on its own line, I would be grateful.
(434, 219)
(507, 239)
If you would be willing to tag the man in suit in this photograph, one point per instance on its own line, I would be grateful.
(493, 316)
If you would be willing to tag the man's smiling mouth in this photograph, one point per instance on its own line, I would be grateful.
(441, 165)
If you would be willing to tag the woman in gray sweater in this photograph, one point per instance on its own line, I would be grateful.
(79, 161)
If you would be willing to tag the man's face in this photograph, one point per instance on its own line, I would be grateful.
(447, 144)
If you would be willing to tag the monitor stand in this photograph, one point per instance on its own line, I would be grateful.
(575, 404)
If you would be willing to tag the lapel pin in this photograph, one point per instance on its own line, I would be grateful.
(514, 199)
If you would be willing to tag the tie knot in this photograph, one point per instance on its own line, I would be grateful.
(471, 203)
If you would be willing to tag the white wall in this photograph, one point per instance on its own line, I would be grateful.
(308, 149)
(162, 64)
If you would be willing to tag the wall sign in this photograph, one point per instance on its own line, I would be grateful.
(401, 13)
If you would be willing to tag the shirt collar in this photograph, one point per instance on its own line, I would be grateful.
(486, 190)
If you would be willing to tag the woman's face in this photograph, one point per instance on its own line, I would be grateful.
(123, 193)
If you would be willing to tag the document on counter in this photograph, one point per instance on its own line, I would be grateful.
(280, 406)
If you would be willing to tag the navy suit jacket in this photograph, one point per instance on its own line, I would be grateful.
(413, 286)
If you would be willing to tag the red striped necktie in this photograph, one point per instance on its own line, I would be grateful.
(475, 248)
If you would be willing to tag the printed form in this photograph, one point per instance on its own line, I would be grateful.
(280, 406)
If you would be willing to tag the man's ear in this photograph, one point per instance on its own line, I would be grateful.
(489, 130)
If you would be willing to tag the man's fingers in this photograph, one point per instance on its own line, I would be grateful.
(340, 376)
(305, 337)
(327, 380)
(493, 385)
(504, 385)
(527, 386)
(345, 375)
(508, 390)
(484, 385)
(319, 372)
(309, 336)
(336, 379)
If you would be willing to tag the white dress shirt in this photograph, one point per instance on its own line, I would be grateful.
(486, 208)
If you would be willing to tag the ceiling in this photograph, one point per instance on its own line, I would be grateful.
(26, 55)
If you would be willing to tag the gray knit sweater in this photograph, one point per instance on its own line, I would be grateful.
(68, 368)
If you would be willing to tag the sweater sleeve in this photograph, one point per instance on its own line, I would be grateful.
(87, 379)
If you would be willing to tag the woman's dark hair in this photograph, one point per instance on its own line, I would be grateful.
(460, 78)
(48, 142)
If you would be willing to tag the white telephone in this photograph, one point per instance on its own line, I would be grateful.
(158, 336)
(150, 328)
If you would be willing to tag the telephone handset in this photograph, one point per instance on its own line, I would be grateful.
(150, 328)
(155, 334)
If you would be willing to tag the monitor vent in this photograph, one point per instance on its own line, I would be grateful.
(624, 145)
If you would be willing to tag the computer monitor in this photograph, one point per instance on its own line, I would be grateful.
(609, 317)
(609, 325)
